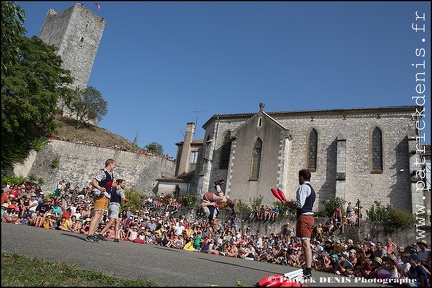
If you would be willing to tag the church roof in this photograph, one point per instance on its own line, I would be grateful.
(347, 111)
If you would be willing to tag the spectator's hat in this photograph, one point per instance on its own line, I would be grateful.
(414, 256)
(353, 251)
(335, 256)
(377, 260)
(48, 214)
(5, 205)
(12, 206)
(372, 244)
(11, 196)
(33, 195)
(422, 242)
(87, 219)
(41, 192)
(344, 254)
(350, 241)
(392, 258)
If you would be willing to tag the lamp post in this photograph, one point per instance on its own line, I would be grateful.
(358, 213)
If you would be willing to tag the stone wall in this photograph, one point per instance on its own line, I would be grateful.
(77, 163)
(377, 231)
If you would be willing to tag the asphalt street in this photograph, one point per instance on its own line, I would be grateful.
(168, 266)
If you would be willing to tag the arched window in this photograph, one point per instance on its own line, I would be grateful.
(225, 152)
(377, 156)
(312, 150)
(256, 160)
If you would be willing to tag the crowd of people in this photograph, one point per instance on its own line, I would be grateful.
(150, 225)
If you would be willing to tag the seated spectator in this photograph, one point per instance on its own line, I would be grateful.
(334, 265)
(4, 207)
(178, 242)
(376, 266)
(64, 225)
(390, 265)
(363, 269)
(424, 253)
(189, 244)
(57, 211)
(346, 267)
(49, 222)
(319, 232)
(417, 272)
(337, 216)
(111, 233)
(140, 238)
(247, 252)
(85, 226)
(10, 215)
(132, 233)
(324, 262)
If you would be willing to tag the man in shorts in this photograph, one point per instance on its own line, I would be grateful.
(101, 182)
(117, 195)
(305, 196)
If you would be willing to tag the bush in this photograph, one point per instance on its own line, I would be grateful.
(330, 206)
(378, 213)
(392, 219)
(135, 200)
(282, 208)
(256, 202)
(242, 207)
(14, 180)
(401, 219)
(190, 201)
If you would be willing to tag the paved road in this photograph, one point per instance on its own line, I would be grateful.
(129, 260)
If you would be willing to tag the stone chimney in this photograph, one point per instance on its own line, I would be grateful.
(184, 162)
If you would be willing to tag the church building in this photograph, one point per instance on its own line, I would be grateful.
(364, 154)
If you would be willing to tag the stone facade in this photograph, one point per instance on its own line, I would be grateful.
(344, 154)
(77, 164)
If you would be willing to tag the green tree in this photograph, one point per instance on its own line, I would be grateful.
(29, 95)
(154, 148)
(88, 105)
(12, 28)
(330, 206)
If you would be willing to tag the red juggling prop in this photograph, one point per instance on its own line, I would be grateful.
(276, 194)
(281, 194)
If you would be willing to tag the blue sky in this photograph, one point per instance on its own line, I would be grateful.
(163, 64)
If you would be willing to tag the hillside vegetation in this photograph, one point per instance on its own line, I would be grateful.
(91, 134)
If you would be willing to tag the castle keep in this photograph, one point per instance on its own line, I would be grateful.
(76, 32)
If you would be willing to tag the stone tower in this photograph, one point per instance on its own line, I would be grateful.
(76, 32)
